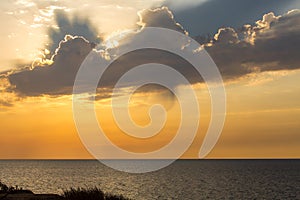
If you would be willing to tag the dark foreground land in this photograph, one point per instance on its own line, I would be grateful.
(27, 196)
(15, 193)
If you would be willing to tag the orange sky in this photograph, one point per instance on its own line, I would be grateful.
(263, 107)
(262, 122)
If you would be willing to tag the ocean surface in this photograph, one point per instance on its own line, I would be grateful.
(184, 179)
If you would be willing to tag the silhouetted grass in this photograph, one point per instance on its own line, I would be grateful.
(90, 193)
(70, 194)
(4, 189)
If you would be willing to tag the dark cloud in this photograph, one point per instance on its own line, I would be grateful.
(57, 78)
(71, 26)
(271, 44)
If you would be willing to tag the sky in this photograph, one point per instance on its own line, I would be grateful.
(228, 13)
(254, 44)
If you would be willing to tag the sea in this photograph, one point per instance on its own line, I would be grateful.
(184, 179)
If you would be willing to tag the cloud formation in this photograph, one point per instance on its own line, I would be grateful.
(210, 15)
(57, 78)
(7, 97)
(271, 44)
(159, 17)
(71, 26)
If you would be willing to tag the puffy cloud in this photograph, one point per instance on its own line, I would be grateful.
(226, 35)
(266, 21)
(159, 17)
(57, 78)
(271, 44)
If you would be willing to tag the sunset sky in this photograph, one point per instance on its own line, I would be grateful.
(254, 43)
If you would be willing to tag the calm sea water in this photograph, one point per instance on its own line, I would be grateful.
(184, 179)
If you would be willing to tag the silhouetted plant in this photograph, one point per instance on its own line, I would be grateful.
(90, 193)
(3, 188)
(12, 190)
(71, 194)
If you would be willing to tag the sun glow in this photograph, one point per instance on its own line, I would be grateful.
(114, 39)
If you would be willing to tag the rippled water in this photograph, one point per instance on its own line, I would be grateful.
(185, 179)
